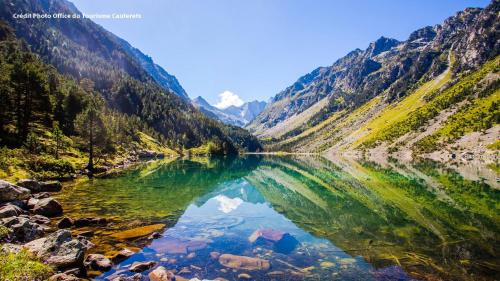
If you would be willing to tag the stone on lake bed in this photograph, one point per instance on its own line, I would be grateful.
(161, 274)
(243, 262)
(327, 264)
(122, 255)
(172, 245)
(282, 242)
(141, 266)
(244, 276)
(138, 232)
(98, 262)
(347, 261)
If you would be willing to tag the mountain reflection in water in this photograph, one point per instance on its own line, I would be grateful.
(296, 218)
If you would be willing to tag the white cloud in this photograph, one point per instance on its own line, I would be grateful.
(228, 98)
(226, 204)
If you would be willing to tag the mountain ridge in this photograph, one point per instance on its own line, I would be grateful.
(332, 109)
(232, 115)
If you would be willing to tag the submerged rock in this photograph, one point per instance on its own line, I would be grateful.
(161, 274)
(171, 245)
(65, 223)
(97, 262)
(141, 266)
(282, 242)
(243, 262)
(40, 186)
(135, 277)
(81, 222)
(138, 232)
(122, 255)
(48, 207)
(244, 276)
(58, 249)
(10, 192)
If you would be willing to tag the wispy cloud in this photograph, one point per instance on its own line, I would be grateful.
(228, 98)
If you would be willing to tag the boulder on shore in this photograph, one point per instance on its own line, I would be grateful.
(10, 210)
(243, 262)
(10, 192)
(23, 229)
(58, 249)
(40, 186)
(63, 277)
(48, 207)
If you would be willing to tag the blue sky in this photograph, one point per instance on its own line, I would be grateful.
(256, 48)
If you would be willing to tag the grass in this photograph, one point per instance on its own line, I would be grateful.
(481, 114)
(21, 267)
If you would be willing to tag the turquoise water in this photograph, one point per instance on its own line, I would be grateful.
(330, 221)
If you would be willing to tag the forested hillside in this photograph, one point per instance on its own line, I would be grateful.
(428, 93)
(70, 89)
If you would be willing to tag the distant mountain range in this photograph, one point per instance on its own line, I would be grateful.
(435, 93)
(232, 115)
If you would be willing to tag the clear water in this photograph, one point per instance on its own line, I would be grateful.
(344, 221)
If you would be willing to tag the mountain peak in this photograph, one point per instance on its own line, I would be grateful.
(381, 45)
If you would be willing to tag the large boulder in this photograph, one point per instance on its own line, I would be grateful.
(40, 186)
(97, 262)
(23, 229)
(10, 192)
(47, 207)
(161, 274)
(243, 262)
(10, 210)
(58, 249)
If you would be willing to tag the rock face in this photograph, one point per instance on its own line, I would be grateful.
(282, 242)
(48, 207)
(243, 262)
(98, 262)
(58, 249)
(161, 274)
(40, 186)
(10, 192)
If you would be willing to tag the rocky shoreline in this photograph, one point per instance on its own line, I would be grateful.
(27, 211)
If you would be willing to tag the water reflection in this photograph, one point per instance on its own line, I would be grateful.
(308, 217)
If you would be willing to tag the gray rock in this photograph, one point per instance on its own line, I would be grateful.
(58, 249)
(10, 210)
(65, 222)
(40, 219)
(97, 262)
(10, 192)
(23, 229)
(48, 207)
(63, 277)
(11, 248)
